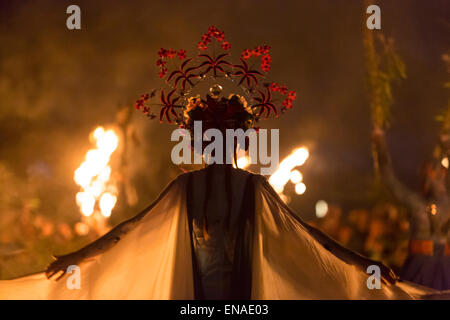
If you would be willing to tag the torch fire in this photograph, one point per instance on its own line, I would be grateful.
(286, 172)
(98, 191)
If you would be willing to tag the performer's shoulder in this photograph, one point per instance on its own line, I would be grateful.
(241, 173)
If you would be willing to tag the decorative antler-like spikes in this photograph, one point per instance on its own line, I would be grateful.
(188, 71)
(214, 64)
(246, 74)
(168, 106)
(168, 54)
(184, 74)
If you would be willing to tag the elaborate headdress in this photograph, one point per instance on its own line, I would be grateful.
(178, 105)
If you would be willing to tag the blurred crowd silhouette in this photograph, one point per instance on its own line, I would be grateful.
(381, 233)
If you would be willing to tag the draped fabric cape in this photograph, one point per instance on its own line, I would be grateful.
(155, 260)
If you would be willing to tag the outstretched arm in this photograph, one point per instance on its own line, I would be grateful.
(335, 248)
(347, 255)
(102, 244)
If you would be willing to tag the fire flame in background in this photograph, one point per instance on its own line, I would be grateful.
(286, 172)
(94, 175)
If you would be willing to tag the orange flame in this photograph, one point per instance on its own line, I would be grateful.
(93, 175)
(286, 171)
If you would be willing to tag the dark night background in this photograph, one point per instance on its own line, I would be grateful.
(56, 85)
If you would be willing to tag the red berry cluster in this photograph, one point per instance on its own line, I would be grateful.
(140, 103)
(292, 95)
(226, 45)
(213, 32)
(170, 54)
(262, 51)
(181, 54)
(265, 62)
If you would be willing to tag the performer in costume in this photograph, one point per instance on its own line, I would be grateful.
(219, 232)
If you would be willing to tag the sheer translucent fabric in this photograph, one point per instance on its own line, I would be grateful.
(288, 263)
(155, 261)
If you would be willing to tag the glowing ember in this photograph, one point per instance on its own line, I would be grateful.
(86, 202)
(81, 228)
(321, 208)
(444, 162)
(433, 209)
(296, 176)
(243, 162)
(107, 203)
(93, 175)
(300, 188)
(286, 171)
